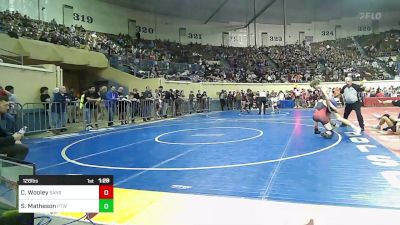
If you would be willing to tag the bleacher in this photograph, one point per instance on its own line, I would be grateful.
(174, 61)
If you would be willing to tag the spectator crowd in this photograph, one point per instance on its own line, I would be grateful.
(300, 62)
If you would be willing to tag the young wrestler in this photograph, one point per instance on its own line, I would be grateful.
(274, 104)
(391, 122)
(323, 110)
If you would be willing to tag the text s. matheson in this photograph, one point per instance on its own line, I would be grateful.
(42, 206)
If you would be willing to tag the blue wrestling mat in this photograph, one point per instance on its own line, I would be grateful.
(273, 156)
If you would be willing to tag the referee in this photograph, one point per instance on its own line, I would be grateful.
(351, 95)
(262, 102)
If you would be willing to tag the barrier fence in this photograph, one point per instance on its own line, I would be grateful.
(57, 116)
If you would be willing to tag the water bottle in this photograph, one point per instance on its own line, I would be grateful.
(23, 130)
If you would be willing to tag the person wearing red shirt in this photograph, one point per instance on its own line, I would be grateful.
(379, 95)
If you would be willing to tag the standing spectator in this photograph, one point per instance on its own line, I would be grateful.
(158, 102)
(122, 106)
(243, 98)
(45, 99)
(147, 104)
(230, 100)
(204, 100)
(191, 102)
(179, 99)
(238, 98)
(103, 109)
(91, 102)
(198, 101)
(167, 101)
(307, 98)
(11, 145)
(250, 98)
(352, 101)
(134, 98)
(58, 109)
(163, 101)
(111, 104)
(303, 98)
(297, 97)
(222, 99)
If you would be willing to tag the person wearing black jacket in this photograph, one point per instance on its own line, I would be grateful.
(11, 145)
(147, 104)
(222, 99)
(351, 95)
(45, 99)
(169, 98)
(134, 98)
(199, 101)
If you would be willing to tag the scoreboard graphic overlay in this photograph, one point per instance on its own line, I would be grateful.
(66, 193)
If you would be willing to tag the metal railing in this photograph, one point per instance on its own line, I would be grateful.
(46, 116)
(59, 116)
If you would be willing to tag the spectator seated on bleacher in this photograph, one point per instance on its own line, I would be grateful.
(291, 63)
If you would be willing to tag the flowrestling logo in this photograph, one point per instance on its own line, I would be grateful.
(370, 15)
(364, 145)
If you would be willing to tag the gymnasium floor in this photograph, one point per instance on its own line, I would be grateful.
(232, 159)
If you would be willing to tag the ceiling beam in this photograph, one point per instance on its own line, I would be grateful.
(216, 11)
(260, 12)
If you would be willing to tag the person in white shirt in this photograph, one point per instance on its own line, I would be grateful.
(297, 95)
(281, 96)
(262, 102)
(274, 104)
